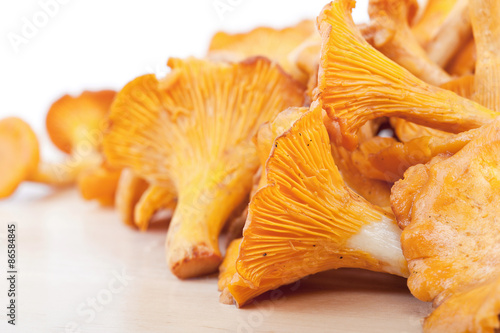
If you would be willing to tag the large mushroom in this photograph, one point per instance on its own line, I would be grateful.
(306, 220)
(448, 209)
(192, 132)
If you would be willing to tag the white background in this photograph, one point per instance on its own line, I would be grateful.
(96, 44)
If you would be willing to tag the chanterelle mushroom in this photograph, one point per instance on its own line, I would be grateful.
(306, 220)
(76, 126)
(20, 155)
(357, 83)
(277, 45)
(192, 132)
(451, 239)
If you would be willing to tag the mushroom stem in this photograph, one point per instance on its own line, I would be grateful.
(65, 173)
(452, 35)
(192, 243)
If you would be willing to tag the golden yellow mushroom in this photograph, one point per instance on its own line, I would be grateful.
(193, 132)
(449, 210)
(357, 83)
(306, 220)
(275, 44)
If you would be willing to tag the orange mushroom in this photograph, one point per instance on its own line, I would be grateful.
(357, 83)
(76, 125)
(306, 220)
(275, 44)
(192, 132)
(20, 154)
(386, 159)
(449, 211)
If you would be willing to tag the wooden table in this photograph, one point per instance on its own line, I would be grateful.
(82, 270)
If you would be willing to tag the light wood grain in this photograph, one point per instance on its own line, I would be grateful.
(70, 250)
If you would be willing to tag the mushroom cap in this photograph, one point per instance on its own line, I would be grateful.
(275, 44)
(73, 119)
(19, 153)
(451, 238)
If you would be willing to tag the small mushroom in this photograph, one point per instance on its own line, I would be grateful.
(19, 149)
(76, 126)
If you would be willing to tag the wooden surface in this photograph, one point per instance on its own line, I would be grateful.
(70, 252)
